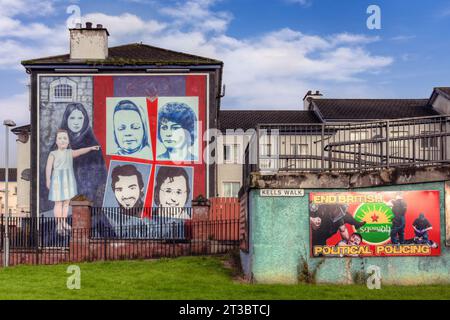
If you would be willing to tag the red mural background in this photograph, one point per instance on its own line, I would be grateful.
(195, 87)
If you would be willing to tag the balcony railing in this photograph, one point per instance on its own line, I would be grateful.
(362, 146)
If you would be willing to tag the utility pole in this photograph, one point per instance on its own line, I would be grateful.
(7, 124)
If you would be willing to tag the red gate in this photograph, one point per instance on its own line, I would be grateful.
(225, 210)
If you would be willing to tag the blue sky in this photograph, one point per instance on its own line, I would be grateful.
(274, 50)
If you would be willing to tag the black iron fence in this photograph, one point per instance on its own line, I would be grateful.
(115, 234)
(361, 146)
(25, 233)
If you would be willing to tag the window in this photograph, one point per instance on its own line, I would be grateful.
(299, 149)
(231, 153)
(266, 149)
(63, 90)
(429, 142)
(231, 189)
(399, 148)
(358, 135)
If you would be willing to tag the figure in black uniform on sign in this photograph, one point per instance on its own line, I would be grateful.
(327, 219)
(398, 206)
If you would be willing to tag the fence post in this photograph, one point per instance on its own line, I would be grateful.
(81, 226)
(388, 145)
(200, 218)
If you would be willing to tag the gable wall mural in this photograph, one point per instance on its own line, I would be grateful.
(122, 141)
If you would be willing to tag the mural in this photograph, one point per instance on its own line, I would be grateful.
(177, 129)
(127, 128)
(124, 142)
(173, 189)
(375, 224)
(127, 185)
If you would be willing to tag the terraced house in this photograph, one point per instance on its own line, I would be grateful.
(119, 146)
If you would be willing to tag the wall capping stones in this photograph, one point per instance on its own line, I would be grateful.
(347, 180)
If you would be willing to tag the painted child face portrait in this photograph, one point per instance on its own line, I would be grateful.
(75, 121)
(127, 191)
(129, 129)
(173, 192)
(62, 140)
(173, 135)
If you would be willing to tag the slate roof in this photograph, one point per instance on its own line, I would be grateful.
(372, 109)
(247, 119)
(12, 174)
(130, 54)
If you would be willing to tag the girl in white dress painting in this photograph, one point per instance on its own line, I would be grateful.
(60, 178)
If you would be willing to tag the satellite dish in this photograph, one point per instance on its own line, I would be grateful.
(26, 175)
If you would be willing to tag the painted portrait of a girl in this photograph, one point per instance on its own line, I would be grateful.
(60, 177)
(90, 170)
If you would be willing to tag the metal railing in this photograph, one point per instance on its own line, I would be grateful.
(116, 234)
(363, 146)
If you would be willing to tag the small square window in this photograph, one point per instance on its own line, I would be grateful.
(231, 189)
(231, 153)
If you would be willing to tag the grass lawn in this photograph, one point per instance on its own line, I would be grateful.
(182, 278)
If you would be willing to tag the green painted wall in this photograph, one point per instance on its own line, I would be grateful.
(279, 239)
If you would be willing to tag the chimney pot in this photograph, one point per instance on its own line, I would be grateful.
(307, 99)
(89, 43)
(78, 26)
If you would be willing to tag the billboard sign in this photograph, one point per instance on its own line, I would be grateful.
(365, 224)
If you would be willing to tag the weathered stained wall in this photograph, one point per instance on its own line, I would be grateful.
(279, 240)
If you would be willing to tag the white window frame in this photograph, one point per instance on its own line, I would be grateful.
(234, 153)
(431, 143)
(231, 182)
(399, 147)
(299, 149)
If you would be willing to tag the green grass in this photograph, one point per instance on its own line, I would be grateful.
(182, 278)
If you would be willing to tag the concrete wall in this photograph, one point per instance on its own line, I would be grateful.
(229, 171)
(23, 187)
(442, 105)
(279, 239)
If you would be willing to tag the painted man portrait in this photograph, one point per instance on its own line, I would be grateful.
(128, 187)
(173, 190)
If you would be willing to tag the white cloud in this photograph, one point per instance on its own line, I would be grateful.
(15, 108)
(10, 27)
(198, 15)
(282, 64)
(403, 38)
(125, 25)
(348, 38)
(304, 3)
(10, 8)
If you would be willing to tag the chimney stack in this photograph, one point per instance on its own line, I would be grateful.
(88, 43)
(310, 96)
